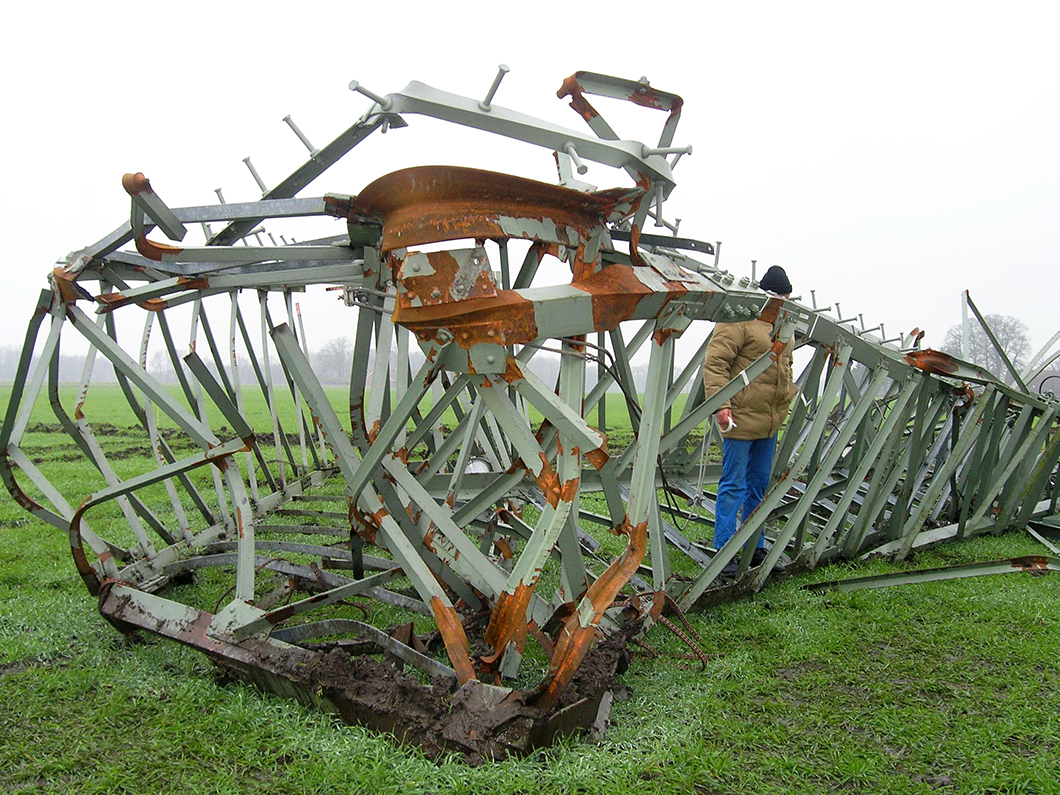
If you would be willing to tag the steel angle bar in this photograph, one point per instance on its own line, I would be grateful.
(580, 627)
(105, 551)
(577, 439)
(379, 397)
(480, 571)
(145, 547)
(1029, 564)
(201, 433)
(891, 465)
(1045, 470)
(145, 296)
(797, 426)
(224, 256)
(395, 423)
(605, 381)
(998, 348)
(792, 529)
(752, 525)
(1035, 366)
(219, 396)
(134, 403)
(1029, 446)
(257, 211)
(940, 430)
(498, 488)
(1046, 535)
(302, 176)
(666, 242)
(706, 409)
(271, 618)
(214, 455)
(624, 378)
(568, 421)
(467, 445)
(422, 99)
(671, 534)
(215, 353)
(689, 372)
(1022, 487)
(399, 546)
(917, 518)
(8, 440)
(440, 557)
(929, 402)
(31, 387)
(153, 435)
(523, 441)
(338, 626)
(422, 431)
(868, 461)
(313, 550)
(815, 483)
(220, 480)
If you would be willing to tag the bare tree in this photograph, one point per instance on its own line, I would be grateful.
(1011, 333)
(162, 368)
(334, 359)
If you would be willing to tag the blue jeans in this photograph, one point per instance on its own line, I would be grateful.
(745, 470)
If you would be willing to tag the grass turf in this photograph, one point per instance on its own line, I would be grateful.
(943, 686)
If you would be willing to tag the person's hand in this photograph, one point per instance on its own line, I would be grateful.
(724, 420)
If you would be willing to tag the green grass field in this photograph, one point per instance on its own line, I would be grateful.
(948, 686)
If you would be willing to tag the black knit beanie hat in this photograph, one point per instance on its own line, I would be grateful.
(776, 281)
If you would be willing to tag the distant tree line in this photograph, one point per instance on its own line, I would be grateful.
(331, 363)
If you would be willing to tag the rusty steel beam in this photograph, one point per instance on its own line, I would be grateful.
(478, 485)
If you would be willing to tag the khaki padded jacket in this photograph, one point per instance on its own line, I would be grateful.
(760, 408)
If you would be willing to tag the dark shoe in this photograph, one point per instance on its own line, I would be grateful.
(729, 570)
(759, 556)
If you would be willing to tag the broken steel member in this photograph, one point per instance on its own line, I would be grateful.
(749, 421)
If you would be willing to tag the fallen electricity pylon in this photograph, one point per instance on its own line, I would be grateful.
(472, 480)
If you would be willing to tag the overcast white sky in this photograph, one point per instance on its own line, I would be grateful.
(889, 155)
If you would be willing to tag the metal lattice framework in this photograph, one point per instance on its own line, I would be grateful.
(478, 485)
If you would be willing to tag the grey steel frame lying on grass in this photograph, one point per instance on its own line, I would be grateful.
(887, 447)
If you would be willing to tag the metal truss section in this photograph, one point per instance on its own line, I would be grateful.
(493, 536)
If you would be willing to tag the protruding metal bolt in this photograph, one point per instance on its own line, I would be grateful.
(578, 164)
(485, 105)
(382, 102)
(220, 196)
(648, 151)
(257, 177)
(491, 359)
(313, 151)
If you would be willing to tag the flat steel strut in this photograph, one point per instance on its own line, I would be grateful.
(473, 523)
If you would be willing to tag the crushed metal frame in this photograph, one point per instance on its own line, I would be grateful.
(887, 448)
